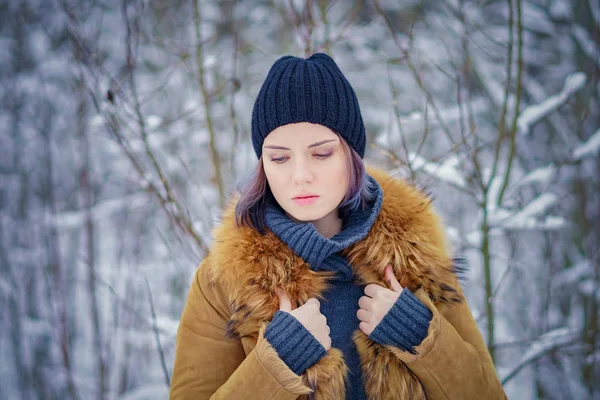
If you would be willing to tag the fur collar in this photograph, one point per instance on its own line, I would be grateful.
(406, 234)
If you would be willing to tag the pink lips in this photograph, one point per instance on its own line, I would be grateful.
(305, 200)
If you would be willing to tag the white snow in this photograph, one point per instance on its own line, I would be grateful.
(532, 114)
(100, 211)
(474, 237)
(529, 217)
(589, 148)
(153, 121)
(494, 193)
(445, 171)
(494, 87)
(156, 140)
(96, 121)
(545, 343)
(541, 175)
(148, 392)
(5, 288)
(573, 274)
(534, 18)
(548, 223)
(537, 206)
(167, 325)
(560, 9)
(588, 287)
(453, 234)
(595, 12)
(537, 90)
(36, 327)
(414, 123)
(587, 44)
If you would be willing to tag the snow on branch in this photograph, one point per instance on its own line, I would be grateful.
(445, 171)
(100, 211)
(413, 123)
(537, 206)
(572, 275)
(585, 42)
(541, 175)
(589, 148)
(5, 288)
(529, 217)
(150, 391)
(589, 288)
(596, 15)
(543, 345)
(532, 114)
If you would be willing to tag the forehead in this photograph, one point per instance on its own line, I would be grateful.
(299, 133)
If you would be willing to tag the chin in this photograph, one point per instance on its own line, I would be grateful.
(305, 215)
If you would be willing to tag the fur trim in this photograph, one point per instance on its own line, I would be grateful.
(327, 378)
(385, 375)
(406, 234)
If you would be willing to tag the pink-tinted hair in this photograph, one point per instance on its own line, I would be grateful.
(255, 193)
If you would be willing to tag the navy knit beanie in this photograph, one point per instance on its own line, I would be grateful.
(307, 90)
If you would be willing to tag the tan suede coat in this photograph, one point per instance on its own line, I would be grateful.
(222, 354)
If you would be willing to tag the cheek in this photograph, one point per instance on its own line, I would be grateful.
(275, 179)
(337, 177)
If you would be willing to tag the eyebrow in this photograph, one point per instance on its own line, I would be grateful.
(312, 145)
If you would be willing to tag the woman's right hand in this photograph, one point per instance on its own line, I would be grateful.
(309, 315)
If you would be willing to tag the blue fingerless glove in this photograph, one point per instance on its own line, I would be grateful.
(294, 344)
(405, 325)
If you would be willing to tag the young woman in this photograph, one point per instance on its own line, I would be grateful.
(326, 280)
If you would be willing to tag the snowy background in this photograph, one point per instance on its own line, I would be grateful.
(124, 126)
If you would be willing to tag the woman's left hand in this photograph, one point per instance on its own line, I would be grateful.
(377, 302)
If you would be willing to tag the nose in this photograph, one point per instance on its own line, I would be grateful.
(302, 173)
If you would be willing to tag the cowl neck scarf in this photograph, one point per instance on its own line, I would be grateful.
(321, 253)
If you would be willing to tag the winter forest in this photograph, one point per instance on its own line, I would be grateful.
(125, 127)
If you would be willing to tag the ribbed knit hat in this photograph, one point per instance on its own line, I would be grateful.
(307, 90)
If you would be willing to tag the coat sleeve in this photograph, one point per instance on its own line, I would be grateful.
(208, 365)
(453, 362)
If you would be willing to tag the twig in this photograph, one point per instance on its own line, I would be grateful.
(425, 128)
(235, 85)
(399, 122)
(157, 336)
(567, 341)
(518, 102)
(415, 72)
(216, 159)
(112, 125)
(348, 19)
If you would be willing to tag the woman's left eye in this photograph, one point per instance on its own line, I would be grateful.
(323, 156)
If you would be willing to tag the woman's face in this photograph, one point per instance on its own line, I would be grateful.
(306, 169)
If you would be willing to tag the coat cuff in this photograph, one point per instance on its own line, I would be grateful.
(405, 325)
(294, 344)
(444, 360)
(433, 332)
(274, 365)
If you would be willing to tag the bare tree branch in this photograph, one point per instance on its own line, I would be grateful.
(161, 353)
(216, 159)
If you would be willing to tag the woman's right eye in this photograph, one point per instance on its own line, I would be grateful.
(278, 160)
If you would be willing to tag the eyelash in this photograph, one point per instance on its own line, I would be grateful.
(281, 160)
